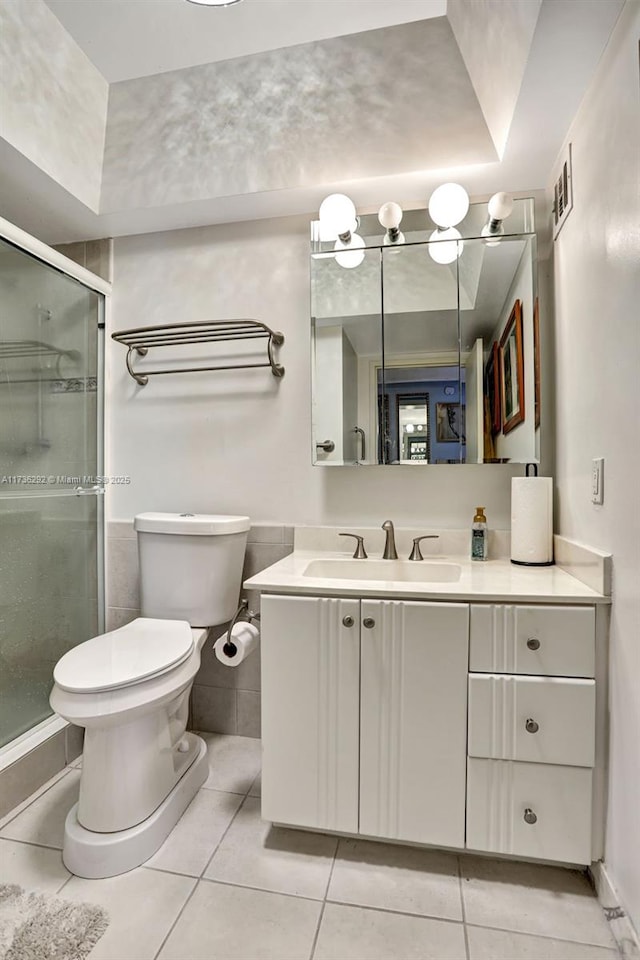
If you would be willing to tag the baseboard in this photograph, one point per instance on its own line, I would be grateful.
(622, 928)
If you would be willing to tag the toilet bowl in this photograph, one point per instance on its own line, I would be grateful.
(129, 688)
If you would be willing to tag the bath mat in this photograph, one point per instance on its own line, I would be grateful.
(34, 926)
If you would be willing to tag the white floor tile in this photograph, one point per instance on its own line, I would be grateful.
(392, 877)
(232, 923)
(142, 906)
(351, 933)
(528, 898)
(255, 854)
(190, 844)
(34, 868)
(485, 944)
(43, 820)
(234, 762)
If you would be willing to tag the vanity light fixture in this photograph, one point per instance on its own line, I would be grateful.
(390, 215)
(448, 205)
(337, 216)
(500, 207)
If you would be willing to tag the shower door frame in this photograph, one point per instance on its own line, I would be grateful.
(25, 243)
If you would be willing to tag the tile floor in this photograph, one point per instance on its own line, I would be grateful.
(225, 886)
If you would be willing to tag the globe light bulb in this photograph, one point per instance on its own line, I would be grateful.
(448, 205)
(215, 3)
(409, 428)
(500, 206)
(337, 216)
(445, 245)
(350, 254)
(390, 215)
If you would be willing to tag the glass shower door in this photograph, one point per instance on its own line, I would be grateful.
(51, 595)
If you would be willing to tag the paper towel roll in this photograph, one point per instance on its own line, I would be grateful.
(244, 638)
(532, 520)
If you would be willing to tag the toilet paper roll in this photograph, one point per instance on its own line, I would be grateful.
(532, 521)
(244, 638)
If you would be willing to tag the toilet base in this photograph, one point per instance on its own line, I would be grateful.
(97, 855)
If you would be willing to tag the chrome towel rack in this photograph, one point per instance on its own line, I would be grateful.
(140, 340)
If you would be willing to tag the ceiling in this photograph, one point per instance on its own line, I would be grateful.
(125, 39)
(287, 80)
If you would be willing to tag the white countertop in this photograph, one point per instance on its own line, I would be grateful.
(489, 580)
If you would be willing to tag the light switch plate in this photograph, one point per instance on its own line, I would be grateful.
(597, 480)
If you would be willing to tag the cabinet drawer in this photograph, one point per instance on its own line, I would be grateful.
(503, 795)
(537, 719)
(537, 640)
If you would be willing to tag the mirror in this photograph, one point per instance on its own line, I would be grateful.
(421, 362)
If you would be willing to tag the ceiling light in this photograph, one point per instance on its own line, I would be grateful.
(409, 428)
(351, 252)
(390, 215)
(337, 217)
(214, 3)
(445, 245)
(448, 205)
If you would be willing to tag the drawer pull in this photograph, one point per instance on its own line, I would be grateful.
(368, 622)
(529, 816)
(348, 621)
(531, 726)
(533, 643)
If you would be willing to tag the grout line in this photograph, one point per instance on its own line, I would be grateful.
(246, 886)
(324, 902)
(180, 912)
(223, 835)
(545, 936)
(395, 913)
(464, 912)
(32, 843)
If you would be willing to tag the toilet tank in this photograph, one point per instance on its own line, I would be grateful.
(190, 566)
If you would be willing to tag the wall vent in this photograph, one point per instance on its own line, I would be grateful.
(562, 191)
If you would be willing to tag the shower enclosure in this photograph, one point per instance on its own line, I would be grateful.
(51, 467)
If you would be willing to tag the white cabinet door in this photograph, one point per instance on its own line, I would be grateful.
(413, 717)
(310, 696)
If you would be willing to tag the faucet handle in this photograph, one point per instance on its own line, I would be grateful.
(416, 553)
(361, 553)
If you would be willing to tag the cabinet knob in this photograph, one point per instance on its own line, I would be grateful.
(533, 643)
(529, 816)
(368, 622)
(531, 726)
(348, 621)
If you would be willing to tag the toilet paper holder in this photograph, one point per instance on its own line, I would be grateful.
(230, 648)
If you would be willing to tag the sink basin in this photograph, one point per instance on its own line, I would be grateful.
(407, 571)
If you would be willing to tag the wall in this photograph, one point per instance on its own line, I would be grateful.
(597, 291)
(53, 101)
(239, 441)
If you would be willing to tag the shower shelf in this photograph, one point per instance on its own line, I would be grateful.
(141, 339)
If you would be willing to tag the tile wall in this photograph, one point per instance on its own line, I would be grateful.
(224, 700)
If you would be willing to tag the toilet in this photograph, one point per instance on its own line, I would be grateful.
(129, 688)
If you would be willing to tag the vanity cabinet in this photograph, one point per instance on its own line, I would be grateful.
(364, 716)
(444, 723)
(531, 737)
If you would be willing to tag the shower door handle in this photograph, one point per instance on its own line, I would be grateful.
(96, 488)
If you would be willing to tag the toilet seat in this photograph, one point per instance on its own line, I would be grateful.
(141, 650)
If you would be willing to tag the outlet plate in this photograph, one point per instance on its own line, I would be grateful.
(597, 480)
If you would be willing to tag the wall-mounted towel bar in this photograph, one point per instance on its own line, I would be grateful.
(141, 339)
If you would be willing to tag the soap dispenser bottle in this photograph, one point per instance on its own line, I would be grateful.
(479, 536)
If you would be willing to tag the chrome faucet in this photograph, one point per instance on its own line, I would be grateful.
(390, 552)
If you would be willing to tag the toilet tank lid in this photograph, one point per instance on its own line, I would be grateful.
(192, 524)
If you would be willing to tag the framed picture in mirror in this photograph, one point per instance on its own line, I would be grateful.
(512, 370)
(492, 388)
(450, 423)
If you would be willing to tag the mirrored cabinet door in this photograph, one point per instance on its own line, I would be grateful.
(346, 343)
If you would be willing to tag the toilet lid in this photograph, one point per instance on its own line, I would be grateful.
(142, 649)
